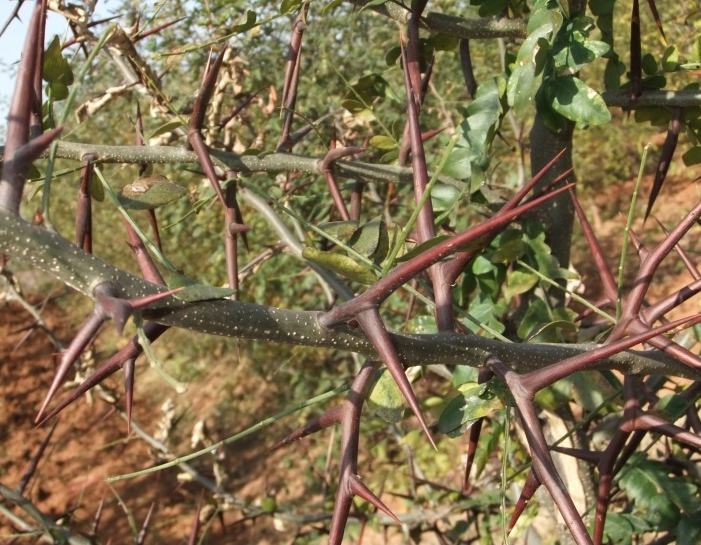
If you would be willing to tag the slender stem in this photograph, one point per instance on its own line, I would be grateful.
(245, 433)
(626, 233)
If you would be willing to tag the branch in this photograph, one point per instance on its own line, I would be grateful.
(50, 531)
(460, 27)
(670, 99)
(83, 272)
(246, 164)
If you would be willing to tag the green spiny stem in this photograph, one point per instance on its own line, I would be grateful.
(55, 255)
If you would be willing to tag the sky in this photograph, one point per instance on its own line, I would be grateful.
(12, 42)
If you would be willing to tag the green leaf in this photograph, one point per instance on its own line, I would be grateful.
(149, 192)
(692, 156)
(621, 527)
(371, 240)
(671, 407)
(384, 143)
(576, 101)
(463, 374)
(268, 504)
(590, 389)
(519, 282)
(670, 59)
(688, 530)
(57, 71)
(97, 191)
(421, 248)
(341, 230)
(166, 127)
(459, 164)
(386, 399)
(340, 264)
(194, 291)
(444, 196)
(649, 64)
(328, 8)
(473, 402)
(509, 251)
(696, 50)
(248, 24)
(423, 323)
(288, 6)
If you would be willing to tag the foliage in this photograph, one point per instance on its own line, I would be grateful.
(404, 207)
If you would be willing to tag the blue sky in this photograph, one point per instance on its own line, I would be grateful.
(12, 42)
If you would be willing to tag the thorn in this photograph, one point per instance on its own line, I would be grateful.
(32, 466)
(128, 368)
(131, 350)
(329, 418)
(85, 335)
(374, 328)
(529, 489)
(144, 529)
(192, 540)
(358, 488)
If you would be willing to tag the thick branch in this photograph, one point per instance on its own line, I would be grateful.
(460, 27)
(245, 164)
(83, 272)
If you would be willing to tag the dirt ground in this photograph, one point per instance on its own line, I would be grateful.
(91, 443)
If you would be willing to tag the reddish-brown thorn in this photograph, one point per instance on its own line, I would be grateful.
(329, 418)
(36, 126)
(688, 262)
(670, 302)
(636, 70)
(529, 489)
(473, 441)
(34, 462)
(358, 488)
(537, 380)
(156, 30)
(85, 335)
(292, 72)
(17, 151)
(475, 237)
(325, 167)
(143, 258)
(239, 107)
(83, 217)
(374, 328)
(425, 136)
(543, 464)
(194, 136)
(640, 247)
(425, 221)
(483, 376)
(121, 309)
(668, 148)
(128, 368)
(153, 221)
(206, 91)
(590, 456)
(98, 516)
(607, 281)
(131, 350)
(656, 16)
(145, 527)
(466, 65)
(356, 200)
(195, 529)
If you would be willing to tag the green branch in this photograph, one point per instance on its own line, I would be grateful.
(83, 272)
